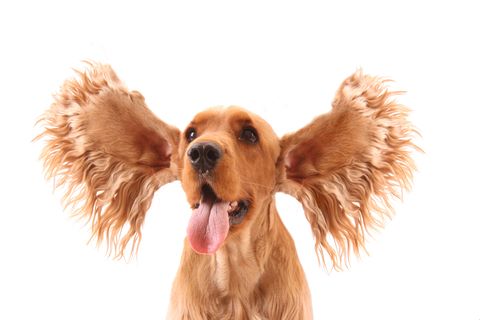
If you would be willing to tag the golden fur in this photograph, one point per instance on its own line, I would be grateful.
(111, 154)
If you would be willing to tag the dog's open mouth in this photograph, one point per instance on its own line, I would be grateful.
(211, 220)
(236, 209)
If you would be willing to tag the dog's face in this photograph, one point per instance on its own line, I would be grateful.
(227, 160)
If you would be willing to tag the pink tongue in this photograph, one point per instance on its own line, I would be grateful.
(208, 226)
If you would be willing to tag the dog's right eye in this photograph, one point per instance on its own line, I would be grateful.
(249, 135)
(191, 134)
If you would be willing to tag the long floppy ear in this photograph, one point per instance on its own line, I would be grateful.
(109, 152)
(345, 165)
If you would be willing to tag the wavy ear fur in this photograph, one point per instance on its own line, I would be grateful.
(110, 153)
(345, 166)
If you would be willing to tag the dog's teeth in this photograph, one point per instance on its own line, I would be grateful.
(232, 206)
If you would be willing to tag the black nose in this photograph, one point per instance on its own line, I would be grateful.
(204, 155)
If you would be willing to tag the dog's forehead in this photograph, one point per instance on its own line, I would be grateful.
(232, 115)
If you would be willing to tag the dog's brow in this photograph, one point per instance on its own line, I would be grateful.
(200, 119)
(197, 120)
(245, 122)
(242, 119)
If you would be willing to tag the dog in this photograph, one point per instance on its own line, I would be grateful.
(110, 154)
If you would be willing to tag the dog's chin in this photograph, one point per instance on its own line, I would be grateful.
(212, 219)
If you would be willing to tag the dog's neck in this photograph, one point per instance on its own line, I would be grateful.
(241, 261)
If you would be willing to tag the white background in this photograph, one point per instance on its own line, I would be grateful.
(283, 61)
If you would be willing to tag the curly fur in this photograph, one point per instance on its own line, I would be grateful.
(110, 192)
(347, 192)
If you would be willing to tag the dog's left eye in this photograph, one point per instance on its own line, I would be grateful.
(249, 135)
(191, 134)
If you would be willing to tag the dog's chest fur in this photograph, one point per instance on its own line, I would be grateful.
(234, 267)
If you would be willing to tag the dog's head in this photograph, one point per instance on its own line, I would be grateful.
(113, 153)
(227, 160)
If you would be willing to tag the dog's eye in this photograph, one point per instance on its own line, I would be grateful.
(249, 135)
(191, 134)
